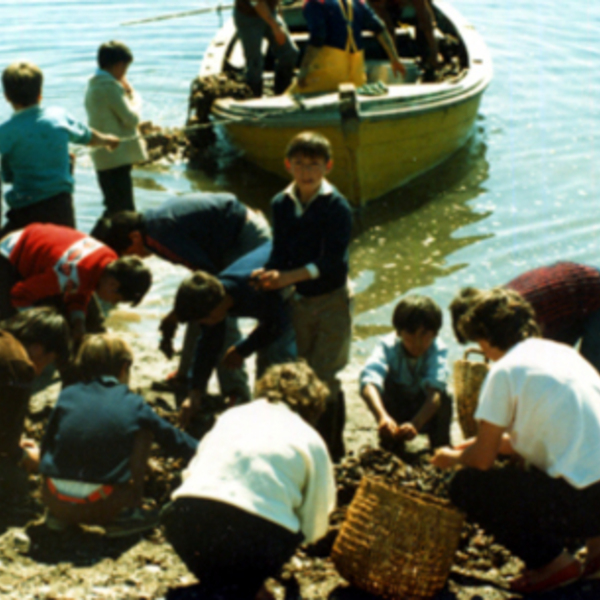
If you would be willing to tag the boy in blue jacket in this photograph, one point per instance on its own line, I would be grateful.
(404, 380)
(34, 144)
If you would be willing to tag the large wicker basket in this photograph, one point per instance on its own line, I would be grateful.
(397, 542)
(468, 377)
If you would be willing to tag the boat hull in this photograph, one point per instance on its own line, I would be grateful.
(380, 156)
(379, 142)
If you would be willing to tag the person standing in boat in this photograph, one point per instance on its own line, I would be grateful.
(256, 20)
(334, 54)
(391, 12)
(566, 299)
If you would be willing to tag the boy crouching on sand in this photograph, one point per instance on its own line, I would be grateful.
(97, 443)
(34, 144)
(404, 380)
(312, 224)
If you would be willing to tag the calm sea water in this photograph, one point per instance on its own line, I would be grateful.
(522, 193)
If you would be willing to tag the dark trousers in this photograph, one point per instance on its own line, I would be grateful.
(15, 390)
(527, 511)
(229, 550)
(331, 426)
(117, 189)
(8, 278)
(57, 209)
(403, 403)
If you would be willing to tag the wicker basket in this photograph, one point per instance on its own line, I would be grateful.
(397, 542)
(468, 377)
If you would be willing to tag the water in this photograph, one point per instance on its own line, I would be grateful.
(522, 193)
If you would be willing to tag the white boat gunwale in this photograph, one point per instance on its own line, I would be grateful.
(402, 101)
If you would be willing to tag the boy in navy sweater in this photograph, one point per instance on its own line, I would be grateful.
(312, 224)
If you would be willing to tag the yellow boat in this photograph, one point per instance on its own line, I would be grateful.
(379, 142)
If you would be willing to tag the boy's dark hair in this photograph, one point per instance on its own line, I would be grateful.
(134, 278)
(114, 231)
(197, 296)
(22, 82)
(414, 311)
(44, 326)
(501, 317)
(310, 144)
(461, 303)
(112, 53)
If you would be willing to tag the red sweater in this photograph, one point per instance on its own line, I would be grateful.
(53, 260)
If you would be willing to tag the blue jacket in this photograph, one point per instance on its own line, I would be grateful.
(319, 236)
(327, 23)
(91, 431)
(196, 231)
(389, 359)
(34, 144)
(267, 308)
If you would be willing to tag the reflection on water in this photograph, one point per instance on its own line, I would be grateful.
(407, 236)
(230, 172)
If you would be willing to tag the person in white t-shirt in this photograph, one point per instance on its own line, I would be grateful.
(540, 401)
(260, 484)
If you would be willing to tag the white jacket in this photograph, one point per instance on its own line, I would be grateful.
(264, 459)
(111, 110)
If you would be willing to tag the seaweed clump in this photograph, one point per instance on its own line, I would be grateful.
(203, 93)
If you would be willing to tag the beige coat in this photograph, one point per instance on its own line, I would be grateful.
(111, 110)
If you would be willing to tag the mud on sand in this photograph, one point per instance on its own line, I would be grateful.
(36, 563)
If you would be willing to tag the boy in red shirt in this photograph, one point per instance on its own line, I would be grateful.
(52, 264)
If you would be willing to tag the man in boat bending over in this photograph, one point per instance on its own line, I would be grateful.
(390, 12)
(335, 49)
(258, 19)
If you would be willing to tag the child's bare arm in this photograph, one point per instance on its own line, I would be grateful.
(107, 140)
(386, 425)
(433, 399)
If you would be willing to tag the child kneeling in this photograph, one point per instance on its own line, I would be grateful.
(260, 484)
(97, 443)
(404, 381)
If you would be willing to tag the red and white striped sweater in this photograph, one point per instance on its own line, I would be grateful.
(53, 260)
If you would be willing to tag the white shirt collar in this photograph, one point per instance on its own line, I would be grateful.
(290, 190)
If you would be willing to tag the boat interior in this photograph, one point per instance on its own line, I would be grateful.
(408, 45)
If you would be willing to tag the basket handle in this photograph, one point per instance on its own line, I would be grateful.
(475, 351)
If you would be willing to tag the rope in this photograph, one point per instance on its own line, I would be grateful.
(189, 128)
